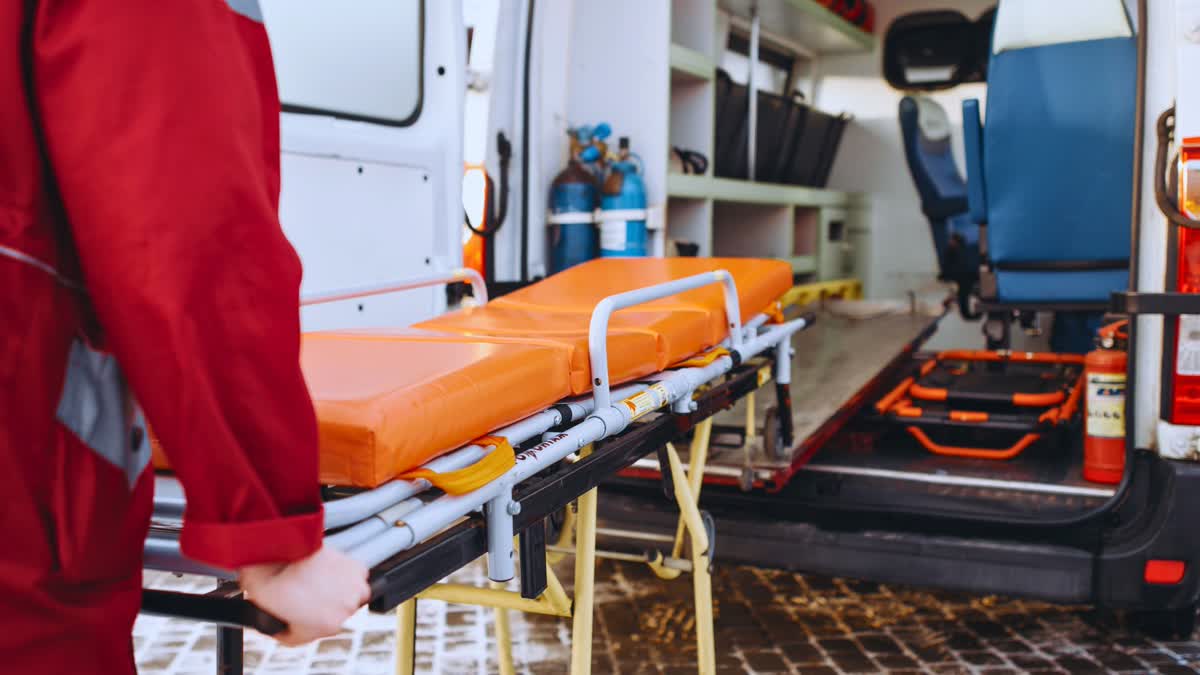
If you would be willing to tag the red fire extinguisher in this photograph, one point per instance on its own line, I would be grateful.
(1104, 425)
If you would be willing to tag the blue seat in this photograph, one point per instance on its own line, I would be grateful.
(925, 128)
(1050, 175)
(1051, 172)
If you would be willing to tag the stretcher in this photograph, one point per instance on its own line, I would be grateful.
(1010, 400)
(459, 436)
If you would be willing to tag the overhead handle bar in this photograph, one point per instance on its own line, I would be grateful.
(463, 275)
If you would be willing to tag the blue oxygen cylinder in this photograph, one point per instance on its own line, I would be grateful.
(572, 217)
(623, 209)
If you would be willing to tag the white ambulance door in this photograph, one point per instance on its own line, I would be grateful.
(372, 94)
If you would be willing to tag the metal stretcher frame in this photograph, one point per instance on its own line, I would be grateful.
(411, 545)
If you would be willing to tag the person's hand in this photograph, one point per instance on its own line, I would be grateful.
(313, 596)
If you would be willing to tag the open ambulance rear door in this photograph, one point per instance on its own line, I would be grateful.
(372, 96)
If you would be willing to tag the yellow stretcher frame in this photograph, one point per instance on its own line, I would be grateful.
(582, 527)
(554, 600)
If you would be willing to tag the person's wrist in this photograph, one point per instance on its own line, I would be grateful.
(251, 576)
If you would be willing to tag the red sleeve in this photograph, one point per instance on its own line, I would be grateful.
(162, 124)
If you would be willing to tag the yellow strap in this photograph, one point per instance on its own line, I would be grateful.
(704, 360)
(492, 466)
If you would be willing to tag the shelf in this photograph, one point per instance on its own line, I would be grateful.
(803, 264)
(749, 192)
(689, 65)
(807, 23)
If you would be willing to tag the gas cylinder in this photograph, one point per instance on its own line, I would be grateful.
(623, 208)
(1104, 425)
(572, 217)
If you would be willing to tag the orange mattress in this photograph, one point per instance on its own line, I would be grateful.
(639, 342)
(390, 400)
(578, 289)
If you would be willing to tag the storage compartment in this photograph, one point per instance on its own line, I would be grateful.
(689, 227)
(751, 230)
(795, 142)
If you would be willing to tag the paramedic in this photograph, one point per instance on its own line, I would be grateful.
(139, 182)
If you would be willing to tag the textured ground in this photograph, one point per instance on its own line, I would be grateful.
(767, 622)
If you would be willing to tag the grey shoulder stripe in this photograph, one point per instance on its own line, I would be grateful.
(247, 8)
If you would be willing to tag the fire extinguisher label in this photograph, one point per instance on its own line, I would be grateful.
(1106, 405)
(1187, 357)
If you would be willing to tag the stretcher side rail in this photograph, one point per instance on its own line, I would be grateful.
(598, 327)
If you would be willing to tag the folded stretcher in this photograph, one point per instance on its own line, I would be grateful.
(1011, 399)
(481, 402)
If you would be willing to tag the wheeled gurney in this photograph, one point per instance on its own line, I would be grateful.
(446, 440)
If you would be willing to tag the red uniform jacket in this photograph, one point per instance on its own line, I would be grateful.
(153, 262)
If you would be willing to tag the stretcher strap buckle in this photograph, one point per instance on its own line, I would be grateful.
(704, 359)
(775, 313)
(493, 465)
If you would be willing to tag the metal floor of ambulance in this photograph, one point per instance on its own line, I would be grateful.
(767, 622)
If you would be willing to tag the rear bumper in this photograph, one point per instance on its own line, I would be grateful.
(1159, 520)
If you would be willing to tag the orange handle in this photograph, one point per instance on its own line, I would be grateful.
(471, 478)
(929, 393)
(1038, 400)
(1067, 409)
(973, 453)
(894, 395)
(1028, 357)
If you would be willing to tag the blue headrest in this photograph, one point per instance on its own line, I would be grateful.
(925, 129)
(926, 132)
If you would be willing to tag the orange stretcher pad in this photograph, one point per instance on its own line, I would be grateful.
(390, 400)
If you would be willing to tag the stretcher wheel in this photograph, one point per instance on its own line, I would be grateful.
(773, 434)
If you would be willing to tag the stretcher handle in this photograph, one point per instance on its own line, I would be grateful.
(894, 396)
(598, 328)
(261, 620)
(462, 275)
(234, 612)
(973, 453)
(1023, 357)
(939, 395)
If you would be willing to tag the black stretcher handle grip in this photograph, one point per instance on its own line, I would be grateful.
(261, 620)
(234, 612)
